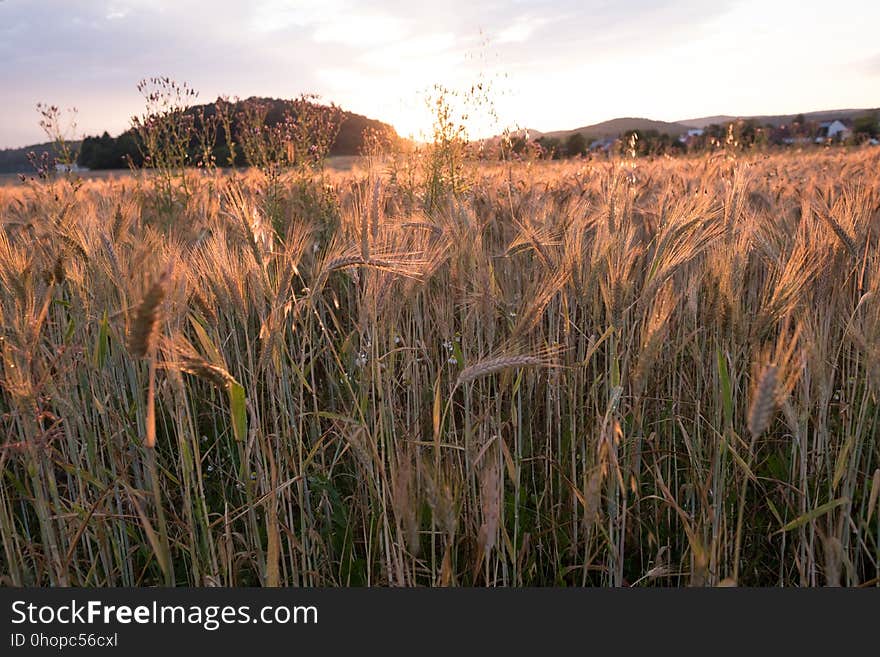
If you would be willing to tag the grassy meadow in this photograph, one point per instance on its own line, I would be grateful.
(626, 372)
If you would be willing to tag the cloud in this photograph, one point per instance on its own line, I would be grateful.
(525, 27)
(278, 15)
(361, 30)
(92, 56)
(374, 57)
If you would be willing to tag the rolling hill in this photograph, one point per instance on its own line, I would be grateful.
(777, 119)
(106, 152)
(615, 127)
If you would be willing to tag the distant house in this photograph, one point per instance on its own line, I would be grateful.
(68, 168)
(690, 134)
(603, 144)
(836, 130)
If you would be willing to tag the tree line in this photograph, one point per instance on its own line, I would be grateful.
(743, 134)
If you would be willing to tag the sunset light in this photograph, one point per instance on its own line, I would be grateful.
(315, 296)
(563, 63)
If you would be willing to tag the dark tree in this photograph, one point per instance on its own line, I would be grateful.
(575, 145)
(866, 125)
(552, 147)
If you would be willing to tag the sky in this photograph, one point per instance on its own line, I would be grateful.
(550, 64)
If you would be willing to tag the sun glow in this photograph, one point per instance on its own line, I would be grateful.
(416, 116)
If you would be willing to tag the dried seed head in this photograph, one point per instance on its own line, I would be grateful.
(764, 401)
(490, 501)
(199, 367)
(492, 365)
(146, 323)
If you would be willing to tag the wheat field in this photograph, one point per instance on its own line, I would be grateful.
(635, 372)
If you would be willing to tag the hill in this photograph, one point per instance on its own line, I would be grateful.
(615, 127)
(777, 119)
(107, 152)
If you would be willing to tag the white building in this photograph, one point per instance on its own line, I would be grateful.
(835, 129)
(690, 134)
(60, 167)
